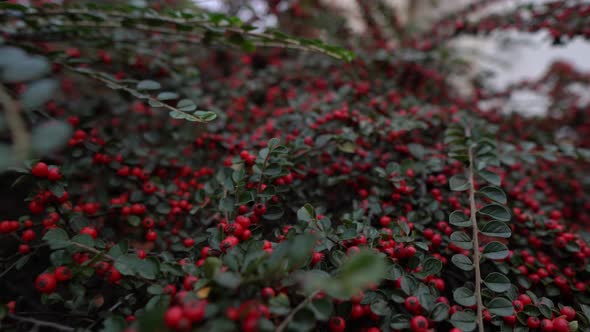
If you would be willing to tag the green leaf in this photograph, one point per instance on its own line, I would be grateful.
(322, 308)
(56, 238)
(274, 212)
(496, 229)
(490, 177)
(306, 213)
(464, 320)
(38, 93)
(430, 266)
(494, 193)
(416, 150)
(459, 183)
(459, 219)
(130, 264)
(440, 312)
(50, 136)
(134, 220)
(463, 262)
(114, 323)
(167, 96)
(229, 280)
(464, 296)
(500, 306)
(22, 262)
(206, 115)
(461, 240)
(496, 211)
(497, 282)
(84, 239)
(186, 105)
(495, 251)
(211, 266)
(148, 85)
(16, 66)
(357, 272)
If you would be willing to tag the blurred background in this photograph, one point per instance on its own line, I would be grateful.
(508, 57)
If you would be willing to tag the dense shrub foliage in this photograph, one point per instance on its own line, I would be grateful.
(172, 183)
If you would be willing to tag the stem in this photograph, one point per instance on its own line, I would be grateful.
(20, 136)
(134, 92)
(476, 256)
(290, 316)
(37, 322)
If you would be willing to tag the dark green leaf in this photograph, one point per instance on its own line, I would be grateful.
(490, 177)
(495, 251)
(500, 306)
(496, 229)
(494, 193)
(461, 240)
(463, 262)
(464, 320)
(464, 296)
(496, 211)
(459, 219)
(50, 136)
(148, 85)
(459, 182)
(497, 282)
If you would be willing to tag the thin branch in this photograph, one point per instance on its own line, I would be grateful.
(41, 323)
(295, 310)
(18, 130)
(115, 85)
(476, 255)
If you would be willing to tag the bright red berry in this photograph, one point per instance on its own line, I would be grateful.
(63, 273)
(46, 283)
(40, 170)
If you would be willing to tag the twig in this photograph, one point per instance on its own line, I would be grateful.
(111, 309)
(133, 92)
(18, 130)
(42, 323)
(475, 231)
(290, 316)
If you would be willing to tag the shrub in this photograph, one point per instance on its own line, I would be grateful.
(172, 186)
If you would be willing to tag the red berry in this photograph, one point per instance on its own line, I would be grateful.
(546, 325)
(419, 324)
(46, 283)
(194, 310)
(28, 235)
(533, 322)
(525, 299)
(568, 312)
(151, 236)
(560, 325)
(412, 304)
(337, 324)
(173, 316)
(188, 243)
(24, 248)
(63, 273)
(357, 311)
(89, 231)
(259, 209)
(54, 174)
(40, 170)
(189, 282)
(268, 292)
(113, 275)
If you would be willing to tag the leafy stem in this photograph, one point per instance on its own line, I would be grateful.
(475, 239)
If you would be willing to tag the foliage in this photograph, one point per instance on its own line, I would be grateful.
(173, 183)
